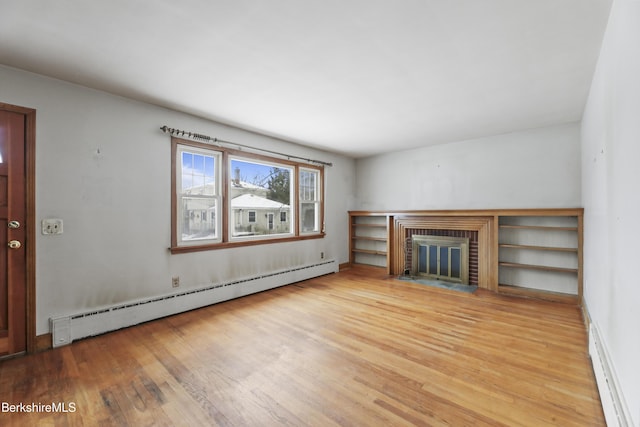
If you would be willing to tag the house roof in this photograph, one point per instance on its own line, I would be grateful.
(251, 201)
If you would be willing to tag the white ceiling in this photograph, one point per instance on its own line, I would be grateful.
(358, 77)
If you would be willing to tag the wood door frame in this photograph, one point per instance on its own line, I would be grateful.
(30, 198)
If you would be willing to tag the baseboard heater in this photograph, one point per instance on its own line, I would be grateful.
(66, 329)
(613, 405)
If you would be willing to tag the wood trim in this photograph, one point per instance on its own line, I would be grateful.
(226, 241)
(344, 266)
(478, 212)
(539, 294)
(227, 245)
(30, 179)
(488, 240)
(586, 317)
(580, 256)
(538, 267)
(391, 248)
(487, 257)
(537, 248)
(43, 342)
(495, 250)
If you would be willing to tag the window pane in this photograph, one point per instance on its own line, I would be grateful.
(455, 262)
(198, 174)
(259, 193)
(422, 259)
(308, 185)
(198, 218)
(433, 260)
(309, 217)
(309, 199)
(444, 261)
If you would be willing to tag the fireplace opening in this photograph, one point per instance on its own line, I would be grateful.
(441, 258)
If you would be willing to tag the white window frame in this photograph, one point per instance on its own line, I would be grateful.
(217, 196)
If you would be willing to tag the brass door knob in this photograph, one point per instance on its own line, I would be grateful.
(14, 244)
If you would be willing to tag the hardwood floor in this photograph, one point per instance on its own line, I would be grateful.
(355, 348)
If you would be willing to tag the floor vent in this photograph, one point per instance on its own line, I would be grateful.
(66, 329)
(613, 405)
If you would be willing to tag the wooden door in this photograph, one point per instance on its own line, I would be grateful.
(12, 233)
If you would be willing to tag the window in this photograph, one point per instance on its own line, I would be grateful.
(223, 197)
(262, 189)
(198, 196)
(309, 200)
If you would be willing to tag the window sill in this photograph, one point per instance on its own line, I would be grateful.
(227, 245)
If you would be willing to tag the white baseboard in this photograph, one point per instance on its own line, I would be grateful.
(613, 404)
(66, 329)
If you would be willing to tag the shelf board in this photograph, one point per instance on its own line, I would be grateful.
(369, 251)
(538, 267)
(355, 224)
(376, 239)
(538, 248)
(538, 227)
(537, 293)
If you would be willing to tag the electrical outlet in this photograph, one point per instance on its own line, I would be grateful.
(52, 226)
(175, 281)
(321, 255)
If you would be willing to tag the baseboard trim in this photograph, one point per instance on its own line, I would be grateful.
(99, 320)
(613, 403)
(43, 342)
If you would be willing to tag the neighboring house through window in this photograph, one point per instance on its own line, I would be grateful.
(258, 190)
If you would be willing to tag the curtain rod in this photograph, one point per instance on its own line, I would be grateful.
(206, 138)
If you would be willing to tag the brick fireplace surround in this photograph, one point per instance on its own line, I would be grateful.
(479, 229)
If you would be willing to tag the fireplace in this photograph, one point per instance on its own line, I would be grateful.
(478, 229)
(440, 257)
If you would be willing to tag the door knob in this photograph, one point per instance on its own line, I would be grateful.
(14, 244)
(13, 224)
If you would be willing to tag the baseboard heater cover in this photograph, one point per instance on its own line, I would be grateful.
(66, 329)
(613, 404)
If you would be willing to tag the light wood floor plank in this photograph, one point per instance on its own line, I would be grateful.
(349, 349)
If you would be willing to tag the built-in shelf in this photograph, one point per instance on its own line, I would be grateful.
(538, 267)
(369, 239)
(527, 252)
(371, 252)
(540, 254)
(376, 239)
(533, 293)
(370, 225)
(539, 227)
(538, 248)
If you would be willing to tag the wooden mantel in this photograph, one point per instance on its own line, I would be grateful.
(487, 223)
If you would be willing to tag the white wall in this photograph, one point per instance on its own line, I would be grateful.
(538, 168)
(103, 166)
(610, 176)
